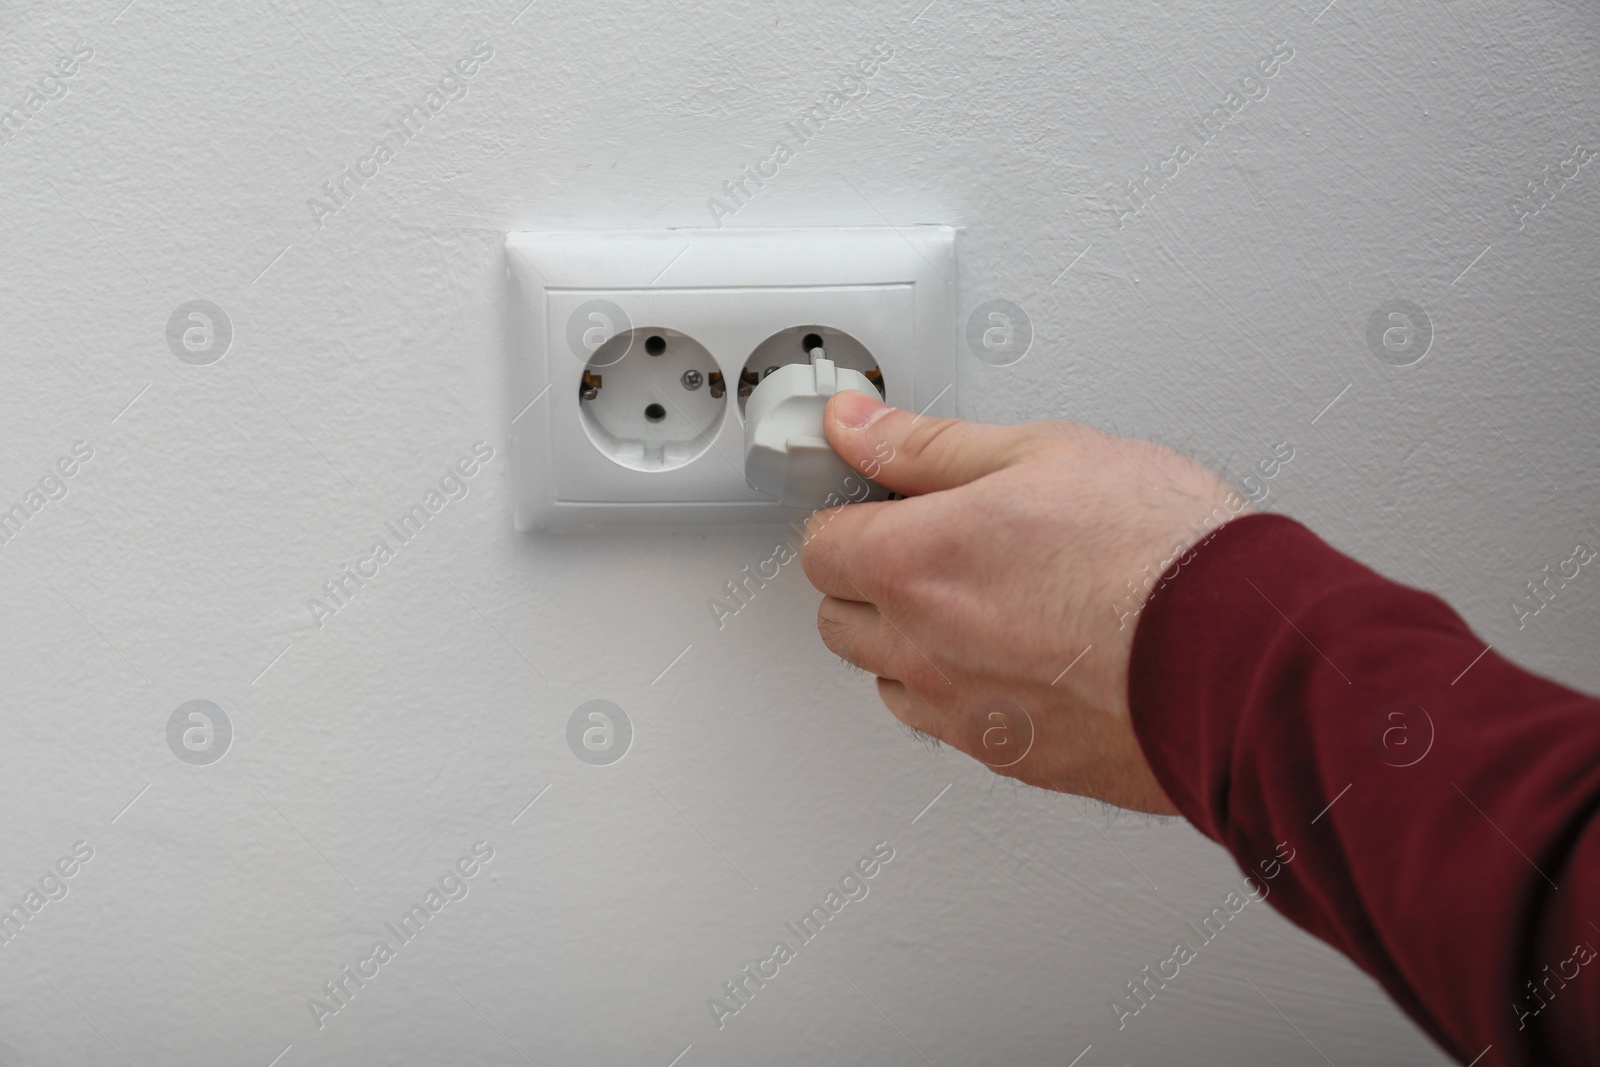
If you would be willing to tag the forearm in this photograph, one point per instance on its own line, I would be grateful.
(1285, 693)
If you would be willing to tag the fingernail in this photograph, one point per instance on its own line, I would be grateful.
(857, 411)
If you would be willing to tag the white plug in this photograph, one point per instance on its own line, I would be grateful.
(786, 452)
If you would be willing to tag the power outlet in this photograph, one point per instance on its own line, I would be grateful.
(634, 354)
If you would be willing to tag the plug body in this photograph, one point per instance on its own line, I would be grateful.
(787, 454)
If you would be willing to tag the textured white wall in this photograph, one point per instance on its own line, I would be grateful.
(367, 357)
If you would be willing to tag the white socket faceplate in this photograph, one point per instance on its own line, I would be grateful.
(893, 290)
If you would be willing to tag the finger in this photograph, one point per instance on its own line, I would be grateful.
(842, 554)
(915, 713)
(857, 633)
(914, 454)
(894, 697)
(919, 713)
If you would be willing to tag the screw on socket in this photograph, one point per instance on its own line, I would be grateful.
(692, 379)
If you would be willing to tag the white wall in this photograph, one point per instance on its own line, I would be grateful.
(368, 356)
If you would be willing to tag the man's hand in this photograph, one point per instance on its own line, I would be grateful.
(997, 604)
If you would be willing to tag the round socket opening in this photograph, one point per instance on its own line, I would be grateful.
(794, 345)
(653, 406)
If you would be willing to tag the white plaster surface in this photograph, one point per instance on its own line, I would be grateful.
(368, 356)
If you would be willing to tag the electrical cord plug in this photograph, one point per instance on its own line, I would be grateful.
(786, 452)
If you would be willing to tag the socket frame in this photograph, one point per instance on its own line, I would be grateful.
(892, 288)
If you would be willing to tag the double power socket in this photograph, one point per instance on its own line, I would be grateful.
(635, 353)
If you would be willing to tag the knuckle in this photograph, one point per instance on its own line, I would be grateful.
(819, 557)
(845, 556)
(882, 541)
(832, 629)
(914, 670)
(887, 576)
(926, 438)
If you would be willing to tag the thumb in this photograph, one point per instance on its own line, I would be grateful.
(914, 454)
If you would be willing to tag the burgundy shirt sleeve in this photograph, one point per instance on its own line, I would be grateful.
(1437, 802)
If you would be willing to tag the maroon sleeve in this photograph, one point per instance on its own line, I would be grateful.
(1435, 802)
